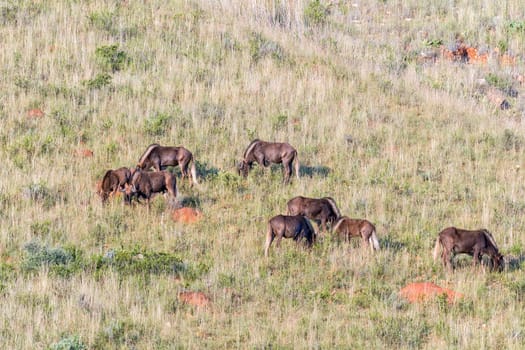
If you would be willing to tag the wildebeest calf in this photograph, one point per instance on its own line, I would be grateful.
(296, 227)
(112, 182)
(144, 184)
(453, 241)
(347, 228)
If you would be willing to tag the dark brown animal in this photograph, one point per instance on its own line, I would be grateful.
(453, 241)
(144, 184)
(112, 182)
(265, 153)
(347, 228)
(296, 227)
(159, 157)
(321, 210)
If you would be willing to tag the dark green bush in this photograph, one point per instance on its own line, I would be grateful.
(109, 57)
(316, 13)
(98, 82)
(71, 342)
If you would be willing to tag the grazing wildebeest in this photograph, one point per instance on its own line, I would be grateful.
(112, 182)
(453, 241)
(144, 184)
(159, 157)
(296, 227)
(321, 210)
(347, 228)
(265, 153)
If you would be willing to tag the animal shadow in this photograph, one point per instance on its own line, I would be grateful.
(316, 170)
(188, 201)
(513, 263)
(388, 242)
(204, 170)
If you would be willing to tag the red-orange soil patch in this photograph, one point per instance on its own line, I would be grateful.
(186, 215)
(84, 153)
(422, 291)
(35, 113)
(198, 299)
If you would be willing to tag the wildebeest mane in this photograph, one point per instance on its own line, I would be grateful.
(335, 209)
(250, 147)
(489, 236)
(147, 153)
(339, 222)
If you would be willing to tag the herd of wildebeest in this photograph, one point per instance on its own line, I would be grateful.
(142, 183)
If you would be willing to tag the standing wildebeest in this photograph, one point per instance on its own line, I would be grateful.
(264, 153)
(321, 210)
(475, 243)
(144, 184)
(296, 227)
(112, 182)
(347, 228)
(160, 157)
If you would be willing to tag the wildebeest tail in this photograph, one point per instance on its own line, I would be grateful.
(310, 227)
(373, 239)
(296, 164)
(269, 238)
(146, 154)
(335, 209)
(171, 183)
(193, 171)
(437, 249)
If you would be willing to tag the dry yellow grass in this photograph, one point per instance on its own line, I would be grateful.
(413, 145)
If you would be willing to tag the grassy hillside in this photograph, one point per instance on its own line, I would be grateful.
(383, 122)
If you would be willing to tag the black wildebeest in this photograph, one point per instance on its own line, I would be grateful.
(265, 153)
(144, 184)
(347, 228)
(321, 210)
(112, 182)
(159, 157)
(296, 227)
(453, 241)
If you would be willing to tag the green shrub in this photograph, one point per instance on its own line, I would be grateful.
(316, 13)
(98, 82)
(109, 57)
(71, 342)
(139, 261)
(158, 124)
(123, 334)
(102, 20)
(61, 261)
(40, 193)
(261, 47)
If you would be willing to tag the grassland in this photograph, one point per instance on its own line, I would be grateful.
(411, 144)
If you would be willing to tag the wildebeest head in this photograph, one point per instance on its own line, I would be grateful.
(498, 261)
(243, 168)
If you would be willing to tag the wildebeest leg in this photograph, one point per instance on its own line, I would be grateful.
(287, 171)
(269, 239)
(184, 170)
(447, 259)
(476, 257)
